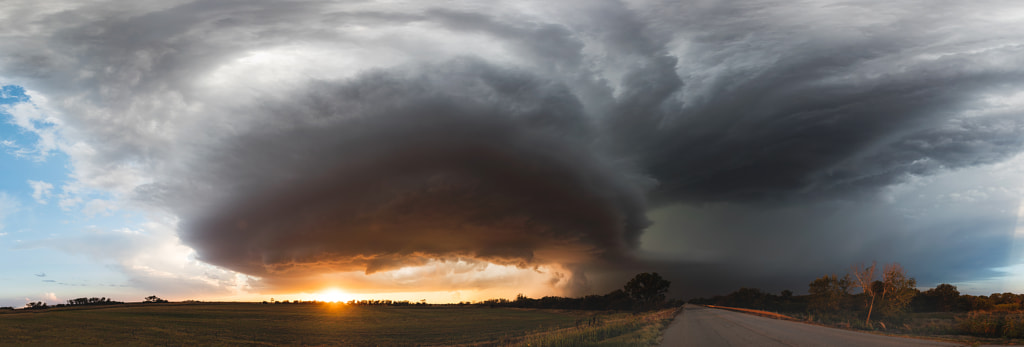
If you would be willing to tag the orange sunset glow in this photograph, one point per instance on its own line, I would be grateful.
(332, 295)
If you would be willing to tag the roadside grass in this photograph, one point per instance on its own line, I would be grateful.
(951, 327)
(969, 328)
(327, 324)
(761, 313)
(619, 329)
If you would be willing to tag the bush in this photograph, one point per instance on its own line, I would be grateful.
(1013, 325)
(982, 324)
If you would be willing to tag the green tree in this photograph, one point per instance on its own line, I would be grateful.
(647, 290)
(897, 290)
(828, 292)
(944, 296)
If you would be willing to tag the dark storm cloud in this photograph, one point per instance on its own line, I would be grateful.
(785, 246)
(394, 168)
(772, 109)
(780, 114)
(533, 133)
(771, 143)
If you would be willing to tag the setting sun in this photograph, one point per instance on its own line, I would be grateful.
(333, 295)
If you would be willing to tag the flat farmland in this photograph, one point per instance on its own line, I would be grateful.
(294, 324)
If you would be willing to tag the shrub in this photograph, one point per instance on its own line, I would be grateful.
(1013, 325)
(982, 324)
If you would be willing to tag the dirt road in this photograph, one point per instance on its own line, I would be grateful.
(699, 326)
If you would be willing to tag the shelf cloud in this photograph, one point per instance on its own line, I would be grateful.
(292, 139)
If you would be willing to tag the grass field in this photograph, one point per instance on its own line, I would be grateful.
(968, 328)
(313, 324)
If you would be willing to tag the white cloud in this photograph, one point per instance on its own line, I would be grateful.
(93, 200)
(41, 191)
(128, 231)
(37, 118)
(13, 148)
(152, 258)
(70, 196)
(99, 207)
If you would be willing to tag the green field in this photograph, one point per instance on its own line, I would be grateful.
(307, 324)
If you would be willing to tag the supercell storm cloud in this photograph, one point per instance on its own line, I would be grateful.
(296, 138)
(391, 169)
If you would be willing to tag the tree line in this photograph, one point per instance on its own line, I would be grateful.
(646, 291)
(867, 294)
(41, 305)
(350, 302)
(90, 301)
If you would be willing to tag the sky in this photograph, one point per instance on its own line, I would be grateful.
(464, 150)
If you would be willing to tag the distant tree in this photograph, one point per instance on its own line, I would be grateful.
(746, 297)
(36, 305)
(154, 299)
(618, 300)
(828, 292)
(647, 290)
(943, 297)
(1005, 302)
(786, 294)
(92, 301)
(975, 303)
